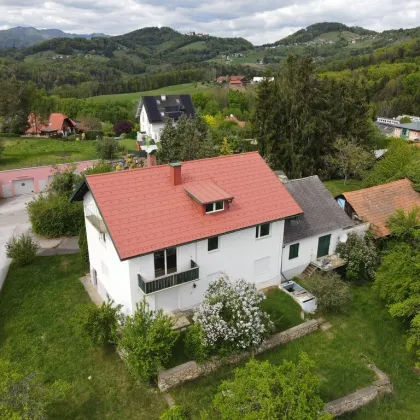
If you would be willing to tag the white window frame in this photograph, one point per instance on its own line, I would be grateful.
(258, 231)
(214, 207)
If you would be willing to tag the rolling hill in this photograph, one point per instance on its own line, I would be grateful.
(25, 36)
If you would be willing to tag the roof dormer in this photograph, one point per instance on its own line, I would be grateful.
(209, 196)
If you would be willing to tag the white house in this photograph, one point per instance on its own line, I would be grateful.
(164, 232)
(153, 111)
(310, 240)
(259, 79)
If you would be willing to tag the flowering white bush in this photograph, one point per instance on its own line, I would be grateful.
(231, 316)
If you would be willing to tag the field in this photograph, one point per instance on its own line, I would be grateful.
(39, 307)
(25, 153)
(186, 88)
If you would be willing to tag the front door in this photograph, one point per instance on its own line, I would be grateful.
(323, 246)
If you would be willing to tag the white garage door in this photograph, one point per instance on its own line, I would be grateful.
(24, 186)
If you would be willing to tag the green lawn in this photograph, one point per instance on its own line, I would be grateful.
(186, 88)
(24, 153)
(341, 353)
(38, 331)
(337, 186)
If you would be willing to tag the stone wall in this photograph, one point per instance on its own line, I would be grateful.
(362, 397)
(192, 370)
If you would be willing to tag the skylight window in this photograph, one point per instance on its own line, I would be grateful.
(215, 207)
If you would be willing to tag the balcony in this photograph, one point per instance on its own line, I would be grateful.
(92, 214)
(171, 280)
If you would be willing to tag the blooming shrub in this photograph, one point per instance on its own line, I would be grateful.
(22, 249)
(360, 255)
(231, 317)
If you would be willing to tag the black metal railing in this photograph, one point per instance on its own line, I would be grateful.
(170, 280)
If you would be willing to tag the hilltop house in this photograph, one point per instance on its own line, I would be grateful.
(164, 232)
(233, 81)
(377, 204)
(153, 111)
(310, 239)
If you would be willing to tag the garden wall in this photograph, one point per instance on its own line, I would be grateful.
(362, 397)
(192, 370)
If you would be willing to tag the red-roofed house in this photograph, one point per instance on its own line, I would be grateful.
(57, 124)
(234, 81)
(164, 232)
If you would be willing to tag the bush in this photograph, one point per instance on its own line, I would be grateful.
(54, 216)
(360, 255)
(108, 149)
(194, 347)
(93, 134)
(123, 126)
(101, 323)
(174, 413)
(147, 340)
(83, 245)
(231, 317)
(64, 181)
(331, 292)
(22, 249)
(99, 168)
(261, 390)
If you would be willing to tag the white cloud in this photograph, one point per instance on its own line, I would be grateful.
(258, 21)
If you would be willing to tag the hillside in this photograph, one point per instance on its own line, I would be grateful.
(23, 37)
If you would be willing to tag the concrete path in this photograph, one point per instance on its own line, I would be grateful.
(14, 221)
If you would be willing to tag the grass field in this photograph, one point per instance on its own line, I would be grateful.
(39, 307)
(337, 186)
(186, 88)
(367, 333)
(25, 153)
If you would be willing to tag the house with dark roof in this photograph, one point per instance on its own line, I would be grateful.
(377, 204)
(153, 111)
(310, 239)
(162, 233)
(409, 131)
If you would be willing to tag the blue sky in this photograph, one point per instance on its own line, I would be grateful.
(258, 21)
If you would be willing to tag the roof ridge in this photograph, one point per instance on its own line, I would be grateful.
(167, 164)
(300, 179)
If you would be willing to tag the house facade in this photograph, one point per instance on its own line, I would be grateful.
(163, 233)
(57, 125)
(154, 110)
(312, 238)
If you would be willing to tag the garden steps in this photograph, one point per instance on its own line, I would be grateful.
(309, 270)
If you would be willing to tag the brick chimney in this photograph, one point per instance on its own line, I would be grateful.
(151, 160)
(175, 172)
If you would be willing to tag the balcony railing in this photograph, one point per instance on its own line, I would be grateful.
(92, 214)
(161, 283)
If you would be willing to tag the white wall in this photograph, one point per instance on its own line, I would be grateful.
(153, 130)
(308, 249)
(112, 274)
(236, 256)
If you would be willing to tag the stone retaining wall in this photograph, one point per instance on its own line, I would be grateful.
(362, 397)
(192, 370)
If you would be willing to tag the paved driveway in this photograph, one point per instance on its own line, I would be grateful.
(13, 221)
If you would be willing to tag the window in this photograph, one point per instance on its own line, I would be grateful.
(213, 243)
(102, 237)
(214, 207)
(165, 262)
(293, 251)
(262, 230)
(262, 265)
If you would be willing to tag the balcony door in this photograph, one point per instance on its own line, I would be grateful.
(165, 262)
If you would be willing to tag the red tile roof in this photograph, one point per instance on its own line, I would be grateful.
(206, 192)
(144, 212)
(55, 123)
(377, 204)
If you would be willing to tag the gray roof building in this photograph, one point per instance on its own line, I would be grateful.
(321, 213)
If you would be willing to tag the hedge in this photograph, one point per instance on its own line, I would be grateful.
(53, 216)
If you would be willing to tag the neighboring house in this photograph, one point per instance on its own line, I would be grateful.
(310, 239)
(259, 79)
(233, 81)
(16, 182)
(58, 124)
(154, 110)
(409, 131)
(377, 204)
(164, 232)
(235, 120)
